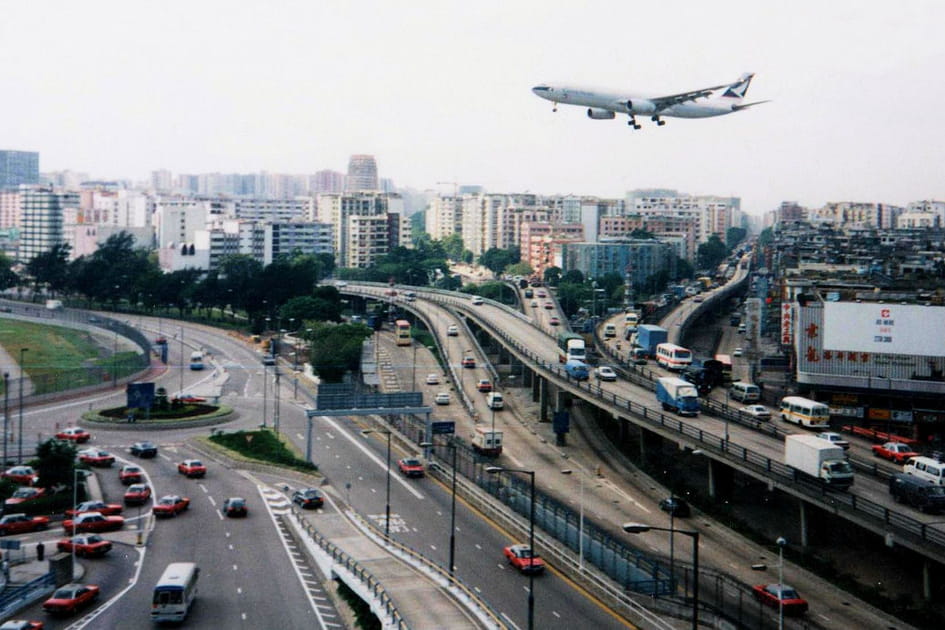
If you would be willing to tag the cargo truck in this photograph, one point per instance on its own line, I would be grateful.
(649, 336)
(816, 458)
(571, 347)
(487, 442)
(677, 395)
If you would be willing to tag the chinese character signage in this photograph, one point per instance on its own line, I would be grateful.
(787, 324)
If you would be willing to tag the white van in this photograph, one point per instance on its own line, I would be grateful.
(926, 468)
(610, 330)
(745, 392)
(494, 400)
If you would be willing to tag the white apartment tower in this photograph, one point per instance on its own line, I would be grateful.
(362, 174)
(42, 214)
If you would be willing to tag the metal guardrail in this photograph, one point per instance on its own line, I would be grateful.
(476, 495)
(409, 554)
(907, 528)
(15, 596)
(363, 575)
(725, 587)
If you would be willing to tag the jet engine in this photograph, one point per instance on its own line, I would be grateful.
(641, 106)
(600, 114)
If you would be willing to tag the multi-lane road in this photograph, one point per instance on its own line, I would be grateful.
(248, 577)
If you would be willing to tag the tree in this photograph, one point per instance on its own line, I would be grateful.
(766, 237)
(684, 269)
(519, 269)
(322, 307)
(552, 276)
(571, 296)
(453, 246)
(56, 461)
(734, 236)
(496, 260)
(640, 233)
(8, 277)
(336, 348)
(711, 253)
(573, 276)
(50, 268)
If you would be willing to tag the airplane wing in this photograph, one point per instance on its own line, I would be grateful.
(664, 102)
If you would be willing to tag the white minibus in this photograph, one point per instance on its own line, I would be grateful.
(175, 592)
(673, 357)
(805, 412)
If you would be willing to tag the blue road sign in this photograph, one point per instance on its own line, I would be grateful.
(444, 427)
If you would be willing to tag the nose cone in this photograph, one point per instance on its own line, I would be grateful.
(541, 90)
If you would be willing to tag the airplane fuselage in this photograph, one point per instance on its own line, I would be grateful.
(627, 103)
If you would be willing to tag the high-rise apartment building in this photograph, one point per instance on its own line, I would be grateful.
(362, 174)
(363, 228)
(42, 214)
(327, 182)
(162, 181)
(9, 209)
(18, 167)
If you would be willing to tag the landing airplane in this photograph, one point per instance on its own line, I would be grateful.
(695, 104)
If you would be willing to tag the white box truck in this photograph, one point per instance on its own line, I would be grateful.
(819, 459)
(487, 442)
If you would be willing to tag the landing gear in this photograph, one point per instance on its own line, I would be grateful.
(555, 108)
(633, 122)
(658, 121)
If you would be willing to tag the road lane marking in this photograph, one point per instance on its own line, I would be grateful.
(377, 460)
(82, 623)
(283, 535)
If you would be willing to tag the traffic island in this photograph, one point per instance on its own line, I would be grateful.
(184, 417)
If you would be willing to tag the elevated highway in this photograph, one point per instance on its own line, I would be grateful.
(755, 453)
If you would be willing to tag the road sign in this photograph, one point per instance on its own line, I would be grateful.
(444, 427)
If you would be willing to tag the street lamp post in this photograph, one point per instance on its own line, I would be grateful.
(462, 372)
(531, 536)
(452, 446)
(6, 416)
(413, 372)
(19, 446)
(181, 360)
(387, 502)
(639, 528)
(781, 541)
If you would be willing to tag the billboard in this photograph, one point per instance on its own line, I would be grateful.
(884, 328)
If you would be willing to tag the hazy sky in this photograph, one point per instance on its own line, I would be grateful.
(440, 91)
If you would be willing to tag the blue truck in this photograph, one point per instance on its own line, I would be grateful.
(649, 336)
(677, 395)
(577, 370)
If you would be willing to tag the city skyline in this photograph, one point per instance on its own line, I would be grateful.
(442, 93)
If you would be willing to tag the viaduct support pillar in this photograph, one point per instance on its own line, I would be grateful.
(536, 386)
(803, 525)
(926, 580)
(543, 400)
(711, 478)
(528, 376)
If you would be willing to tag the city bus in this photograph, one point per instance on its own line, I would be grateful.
(402, 332)
(673, 357)
(175, 592)
(805, 412)
(726, 363)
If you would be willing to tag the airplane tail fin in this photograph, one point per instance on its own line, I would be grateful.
(739, 88)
